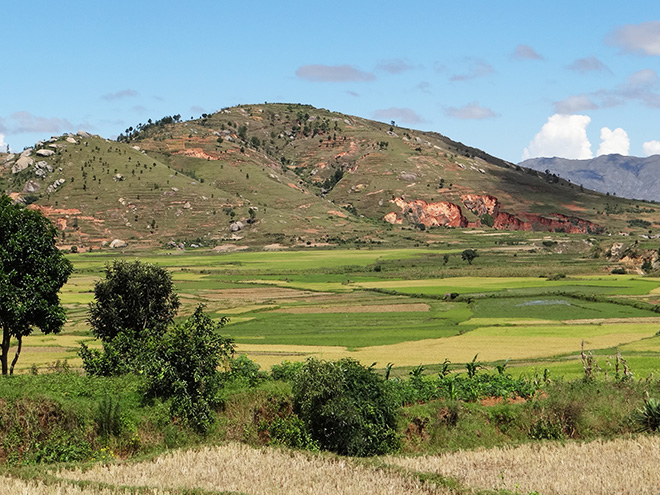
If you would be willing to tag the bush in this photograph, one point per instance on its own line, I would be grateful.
(347, 408)
(183, 367)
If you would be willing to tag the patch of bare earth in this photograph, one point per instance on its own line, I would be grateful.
(239, 468)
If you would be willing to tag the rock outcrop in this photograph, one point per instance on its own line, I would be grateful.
(440, 214)
(450, 215)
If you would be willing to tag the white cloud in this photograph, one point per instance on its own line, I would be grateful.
(638, 38)
(407, 115)
(651, 148)
(120, 95)
(333, 73)
(589, 64)
(572, 104)
(472, 111)
(476, 68)
(3, 146)
(613, 142)
(526, 52)
(394, 66)
(563, 136)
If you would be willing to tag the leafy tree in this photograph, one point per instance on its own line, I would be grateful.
(183, 366)
(346, 407)
(469, 255)
(32, 271)
(133, 305)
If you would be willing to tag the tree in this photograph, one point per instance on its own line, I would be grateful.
(133, 306)
(183, 366)
(469, 255)
(32, 271)
(346, 407)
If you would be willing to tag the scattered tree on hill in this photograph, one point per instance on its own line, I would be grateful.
(469, 255)
(133, 305)
(32, 271)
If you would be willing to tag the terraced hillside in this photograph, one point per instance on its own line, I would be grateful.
(283, 174)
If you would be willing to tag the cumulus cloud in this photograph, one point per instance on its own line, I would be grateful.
(476, 68)
(563, 136)
(613, 141)
(26, 122)
(641, 38)
(471, 111)
(3, 146)
(394, 66)
(573, 104)
(589, 64)
(651, 148)
(333, 73)
(119, 95)
(526, 52)
(407, 115)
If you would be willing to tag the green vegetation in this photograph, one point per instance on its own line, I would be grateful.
(32, 271)
(346, 407)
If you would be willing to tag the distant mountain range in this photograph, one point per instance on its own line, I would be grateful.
(625, 176)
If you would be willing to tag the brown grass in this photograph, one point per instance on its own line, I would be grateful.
(20, 487)
(237, 467)
(622, 466)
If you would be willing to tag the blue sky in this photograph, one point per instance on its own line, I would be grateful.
(514, 78)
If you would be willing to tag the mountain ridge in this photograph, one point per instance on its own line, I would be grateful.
(288, 174)
(625, 176)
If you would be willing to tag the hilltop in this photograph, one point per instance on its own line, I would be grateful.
(286, 174)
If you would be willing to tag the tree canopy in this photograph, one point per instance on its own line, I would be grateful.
(133, 306)
(32, 271)
(135, 298)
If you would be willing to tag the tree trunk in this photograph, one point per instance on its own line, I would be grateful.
(6, 337)
(18, 351)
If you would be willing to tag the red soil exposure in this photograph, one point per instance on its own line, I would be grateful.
(563, 223)
(442, 213)
(450, 215)
(481, 204)
(506, 221)
(196, 153)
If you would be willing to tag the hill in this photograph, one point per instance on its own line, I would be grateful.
(285, 175)
(625, 176)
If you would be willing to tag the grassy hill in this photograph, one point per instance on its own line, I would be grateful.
(285, 175)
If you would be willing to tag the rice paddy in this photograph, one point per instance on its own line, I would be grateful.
(373, 305)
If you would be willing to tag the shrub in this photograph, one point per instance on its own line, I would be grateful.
(347, 408)
(183, 367)
(647, 418)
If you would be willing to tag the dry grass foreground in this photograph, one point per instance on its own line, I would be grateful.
(621, 466)
(15, 486)
(239, 468)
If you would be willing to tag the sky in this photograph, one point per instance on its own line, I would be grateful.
(517, 79)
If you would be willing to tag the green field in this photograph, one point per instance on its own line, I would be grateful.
(392, 305)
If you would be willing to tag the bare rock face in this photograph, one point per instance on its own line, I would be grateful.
(44, 152)
(506, 221)
(82, 133)
(418, 211)
(481, 204)
(236, 226)
(564, 223)
(118, 243)
(31, 186)
(21, 164)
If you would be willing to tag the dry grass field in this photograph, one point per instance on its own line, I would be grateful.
(239, 468)
(621, 466)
